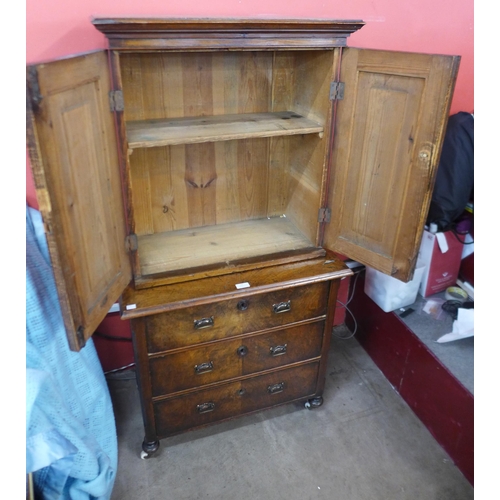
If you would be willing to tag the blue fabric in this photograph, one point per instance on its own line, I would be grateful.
(71, 442)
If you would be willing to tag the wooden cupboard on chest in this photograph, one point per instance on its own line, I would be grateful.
(205, 172)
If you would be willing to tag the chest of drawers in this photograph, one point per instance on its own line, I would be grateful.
(239, 344)
(204, 170)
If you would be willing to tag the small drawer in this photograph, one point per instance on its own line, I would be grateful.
(220, 361)
(233, 399)
(223, 319)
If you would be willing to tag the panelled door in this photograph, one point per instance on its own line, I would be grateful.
(388, 134)
(73, 151)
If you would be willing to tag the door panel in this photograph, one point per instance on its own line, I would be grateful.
(73, 153)
(388, 137)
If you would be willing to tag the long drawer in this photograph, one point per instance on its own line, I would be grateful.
(228, 318)
(218, 361)
(224, 401)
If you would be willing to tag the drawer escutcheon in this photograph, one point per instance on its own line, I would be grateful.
(242, 305)
(242, 351)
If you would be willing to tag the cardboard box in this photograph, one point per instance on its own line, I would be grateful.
(441, 253)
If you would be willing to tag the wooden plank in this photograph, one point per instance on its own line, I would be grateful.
(307, 156)
(184, 249)
(152, 86)
(152, 133)
(283, 90)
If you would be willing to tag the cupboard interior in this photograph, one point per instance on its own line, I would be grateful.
(226, 155)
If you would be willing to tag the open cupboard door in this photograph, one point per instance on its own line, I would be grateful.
(73, 151)
(388, 135)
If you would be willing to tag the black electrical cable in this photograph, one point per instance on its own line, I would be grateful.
(348, 310)
(456, 233)
(452, 307)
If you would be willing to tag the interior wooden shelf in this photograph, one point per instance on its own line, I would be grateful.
(224, 244)
(153, 133)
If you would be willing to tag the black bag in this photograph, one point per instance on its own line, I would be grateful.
(454, 186)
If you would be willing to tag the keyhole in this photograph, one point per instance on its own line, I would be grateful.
(242, 305)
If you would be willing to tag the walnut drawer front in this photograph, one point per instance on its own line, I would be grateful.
(233, 358)
(224, 401)
(227, 318)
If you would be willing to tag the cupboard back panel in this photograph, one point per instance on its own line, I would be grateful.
(196, 185)
(186, 186)
(173, 85)
(167, 85)
(180, 187)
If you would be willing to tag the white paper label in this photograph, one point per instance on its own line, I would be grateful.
(242, 285)
(131, 306)
(443, 244)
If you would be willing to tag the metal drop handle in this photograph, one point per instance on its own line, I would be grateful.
(204, 367)
(206, 407)
(282, 307)
(276, 388)
(278, 350)
(203, 323)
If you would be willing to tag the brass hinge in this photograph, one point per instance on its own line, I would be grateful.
(324, 215)
(131, 243)
(337, 91)
(116, 100)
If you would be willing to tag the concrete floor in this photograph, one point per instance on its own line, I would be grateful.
(363, 443)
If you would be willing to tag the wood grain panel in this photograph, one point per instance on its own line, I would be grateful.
(154, 133)
(307, 159)
(378, 185)
(74, 157)
(133, 86)
(309, 167)
(279, 176)
(141, 192)
(219, 361)
(159, 189)
(283, 85)
(211, 34)
(228, 176)
(176, 329)
(148, 301)
(174, 415)
(253, 178)
(223, 244)
(388, 140)
(200, 184)
(314, 72)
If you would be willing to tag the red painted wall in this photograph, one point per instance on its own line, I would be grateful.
(58, 28)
